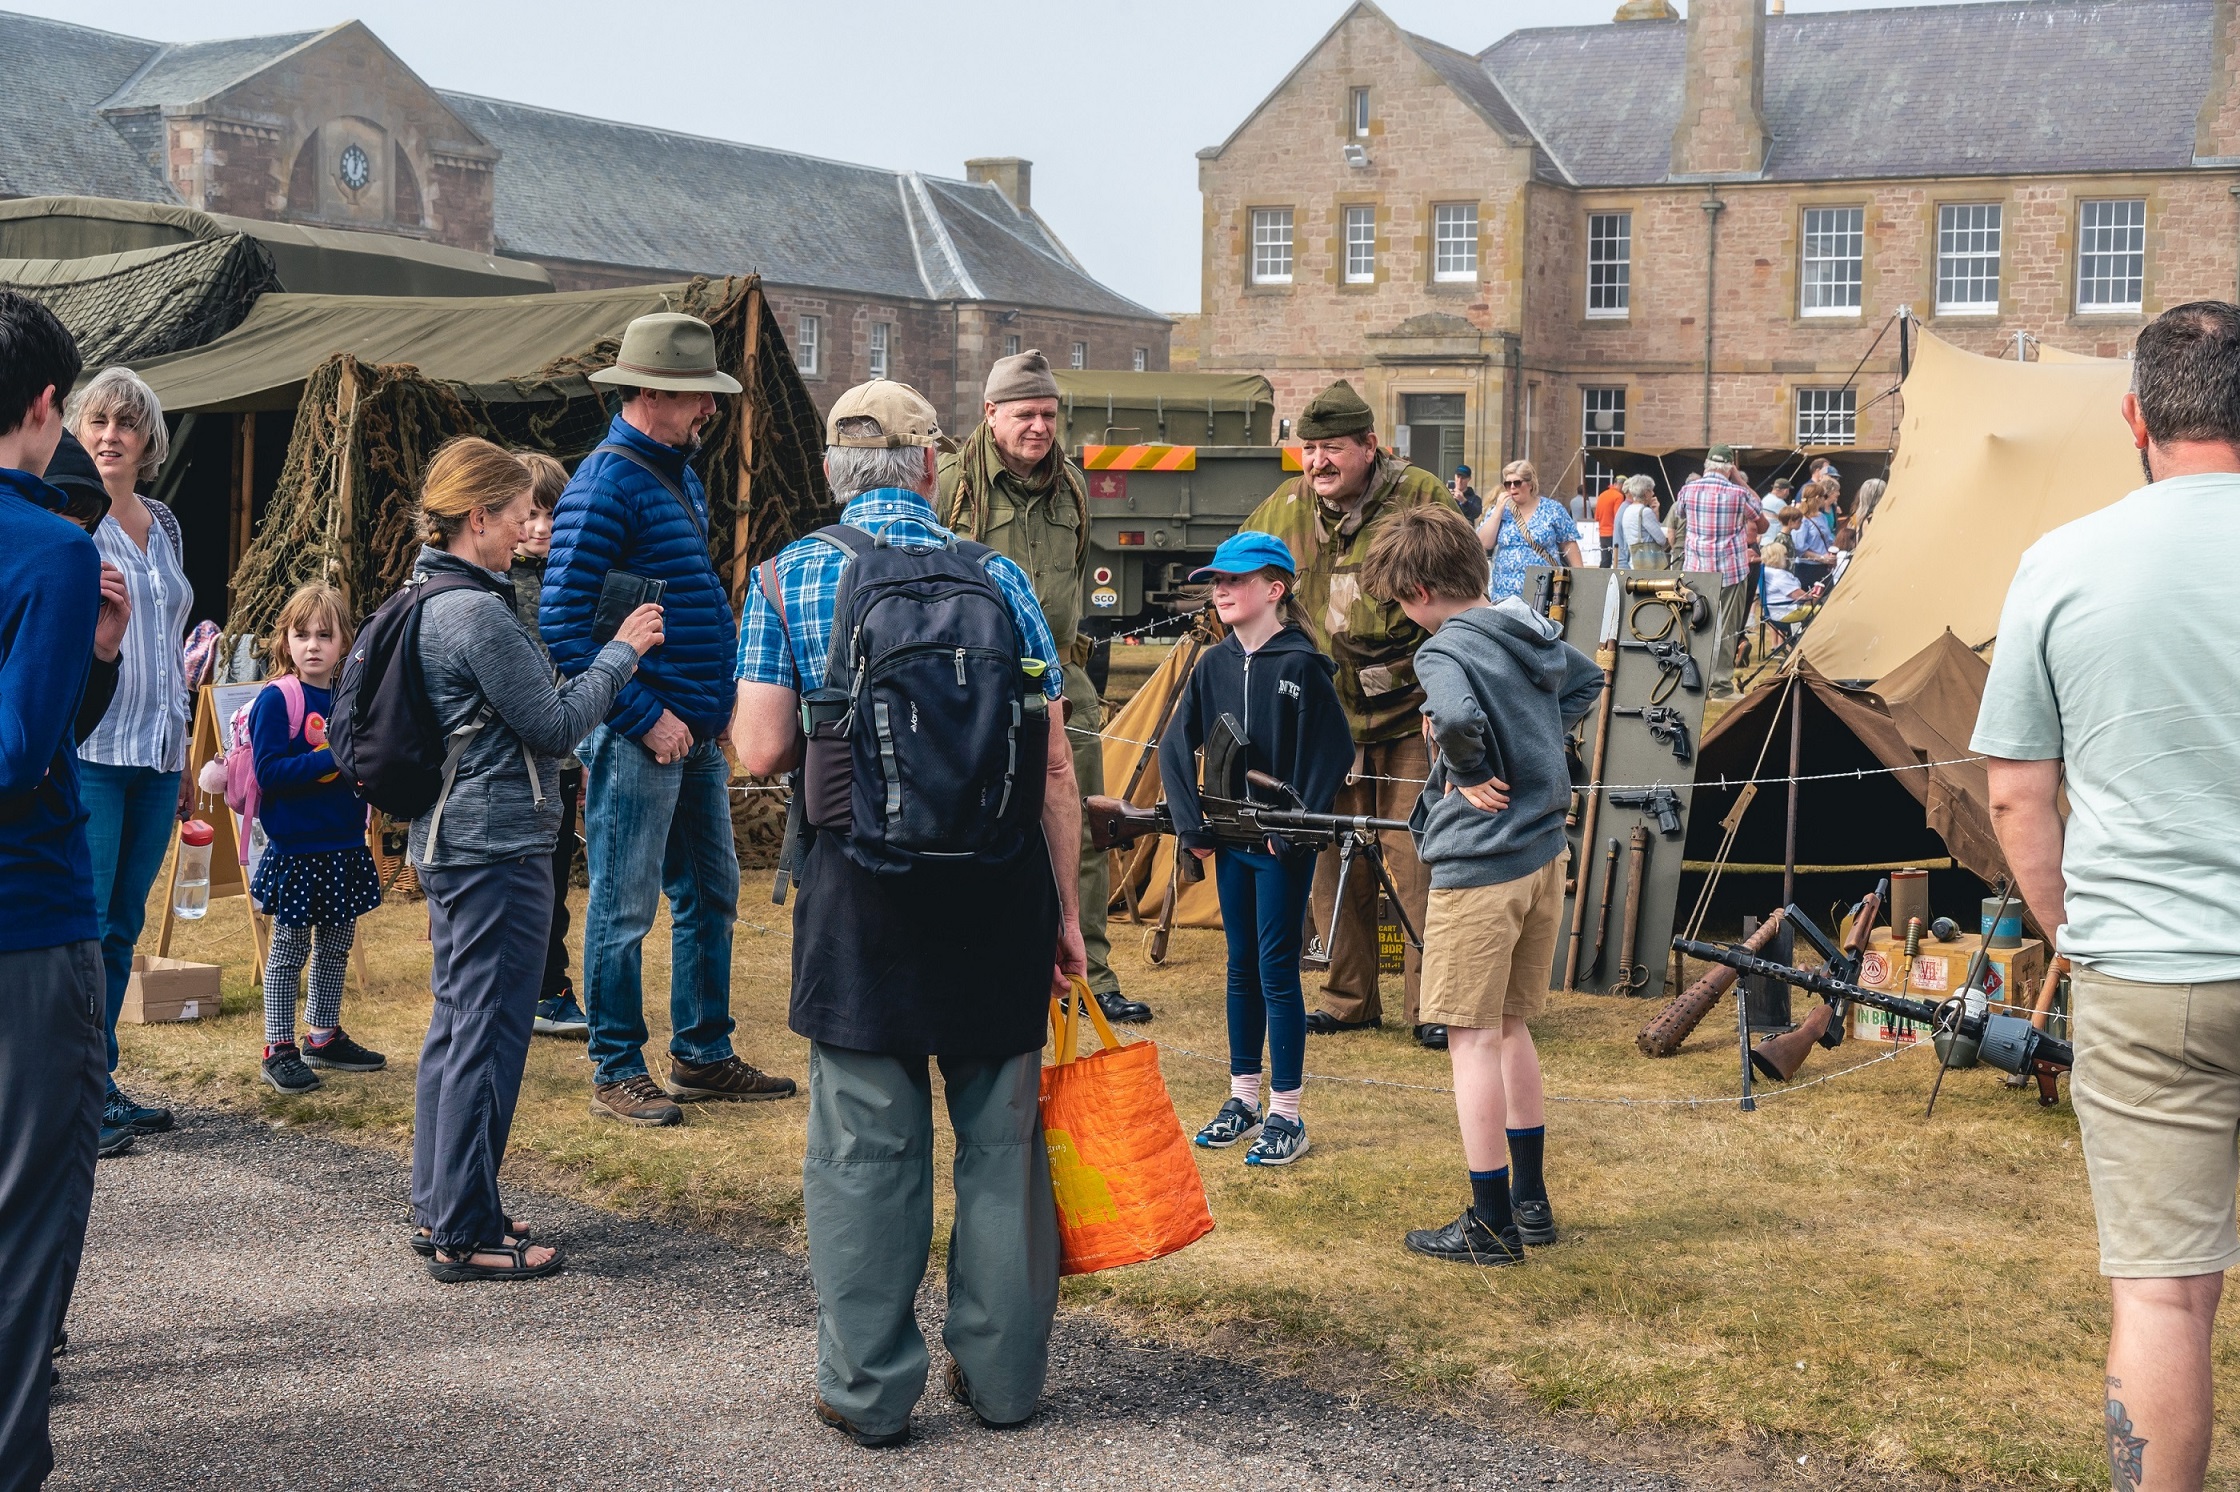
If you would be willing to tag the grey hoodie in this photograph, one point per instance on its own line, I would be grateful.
(1501, 687)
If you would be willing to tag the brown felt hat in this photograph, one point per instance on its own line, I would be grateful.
(1336, 411)
(902, 414)
(668, 350)
(1023, 375)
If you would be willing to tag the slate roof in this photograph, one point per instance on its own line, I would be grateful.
(192, 72)
(55, 144)
(2019, 88)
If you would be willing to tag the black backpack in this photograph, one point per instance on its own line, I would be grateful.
(944, 760)
(383, 730)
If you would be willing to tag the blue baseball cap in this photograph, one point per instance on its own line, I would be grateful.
(1243, 553)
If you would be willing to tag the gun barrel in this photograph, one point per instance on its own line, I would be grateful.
(1291, 821)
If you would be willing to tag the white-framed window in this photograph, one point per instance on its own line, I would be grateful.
(882, 335)
(808, 338)
(1357, 114)
(1142, 362)
(1011, 345)
(1271, 246)
(1968, 259)
(1361, 245)
(2111, 254)
(1080, 355)
(1454, 241)
(1827, 417)
(1835, 241)
(1602, 423)
(1609, 263)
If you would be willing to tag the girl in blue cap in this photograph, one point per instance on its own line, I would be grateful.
(1268, 675)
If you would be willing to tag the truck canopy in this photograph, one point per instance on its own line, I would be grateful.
(1099, 407)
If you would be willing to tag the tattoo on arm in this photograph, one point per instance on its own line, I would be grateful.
(2127, 1453)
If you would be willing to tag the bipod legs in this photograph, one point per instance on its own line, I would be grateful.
(1323, 946)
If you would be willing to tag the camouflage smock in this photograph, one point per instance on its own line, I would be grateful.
(1374, 644)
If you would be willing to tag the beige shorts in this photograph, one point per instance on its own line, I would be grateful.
(2157, 1094)
(1487, 950)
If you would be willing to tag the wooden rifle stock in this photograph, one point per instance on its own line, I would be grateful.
(1684, 1011)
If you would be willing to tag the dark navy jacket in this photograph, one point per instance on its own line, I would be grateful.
(307, 808)
(1294, 727)
(50, 595)
(615, 515)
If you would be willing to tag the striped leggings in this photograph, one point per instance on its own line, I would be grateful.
(283, 968)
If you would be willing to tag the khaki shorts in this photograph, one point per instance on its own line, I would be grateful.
(1487, 950)
(2157, 1094)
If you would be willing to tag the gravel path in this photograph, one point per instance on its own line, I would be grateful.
(248, 1317)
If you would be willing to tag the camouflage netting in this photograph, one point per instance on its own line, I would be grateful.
(123, 307)
(345, 505)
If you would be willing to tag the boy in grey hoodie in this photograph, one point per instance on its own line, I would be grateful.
(1501, 689)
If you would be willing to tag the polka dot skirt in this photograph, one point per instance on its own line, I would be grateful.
(327, 889)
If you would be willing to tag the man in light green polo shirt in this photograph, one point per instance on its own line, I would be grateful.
(2116, 676)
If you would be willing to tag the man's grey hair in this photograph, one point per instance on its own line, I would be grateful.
(855, 470)
(121, 394)
(1638, 486)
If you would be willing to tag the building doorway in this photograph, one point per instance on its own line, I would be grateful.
(1433, 424)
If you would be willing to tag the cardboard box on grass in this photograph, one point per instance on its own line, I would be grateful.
(1937, 973)
(169, 989)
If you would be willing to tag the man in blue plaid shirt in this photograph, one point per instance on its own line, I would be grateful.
(889, 970)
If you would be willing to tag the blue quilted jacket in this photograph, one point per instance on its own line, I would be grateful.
(615, 515)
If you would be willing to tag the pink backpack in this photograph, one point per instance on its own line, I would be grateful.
(242, 793)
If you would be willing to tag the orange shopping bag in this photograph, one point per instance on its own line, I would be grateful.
(1127, 1188)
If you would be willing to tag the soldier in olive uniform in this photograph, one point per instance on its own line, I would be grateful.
(1326, 516)
(1010, 487)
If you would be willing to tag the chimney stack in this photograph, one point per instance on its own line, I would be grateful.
(2216, 130)
(1646, 10)
(1722, 113)
(1007, 174)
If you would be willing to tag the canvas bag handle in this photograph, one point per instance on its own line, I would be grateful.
(1067, 1027)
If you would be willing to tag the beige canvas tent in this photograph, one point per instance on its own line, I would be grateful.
(1131, 771)
(1991, 454)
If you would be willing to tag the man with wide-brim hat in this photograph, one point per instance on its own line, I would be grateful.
(657, 819)
(1327, 516)
(896, 973)
(1010, 486)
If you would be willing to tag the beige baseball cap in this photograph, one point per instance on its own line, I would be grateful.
(902, 414)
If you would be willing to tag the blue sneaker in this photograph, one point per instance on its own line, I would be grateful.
(120, 1112)
(1238, 1121)
(562, 1016)
(1281, 1142)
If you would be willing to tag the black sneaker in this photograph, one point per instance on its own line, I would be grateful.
(113, 1143)
(284, 1069)
(562, 1016)
(1432, 1037)
(1536, 1222)
(1237, 1121)
(1467, 1240)
(120, 1112)
(342, 1054)
(1281, 1142)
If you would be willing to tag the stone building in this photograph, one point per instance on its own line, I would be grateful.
(1657, 233)
(871, 272)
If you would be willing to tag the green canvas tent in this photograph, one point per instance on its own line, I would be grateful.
(139, 303)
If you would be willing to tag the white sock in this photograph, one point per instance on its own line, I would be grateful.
(1285, 1102)
(1244, 1087)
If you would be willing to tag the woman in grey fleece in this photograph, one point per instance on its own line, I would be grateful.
(484, 853)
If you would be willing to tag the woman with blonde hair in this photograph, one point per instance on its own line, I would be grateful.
(132, 766)
(1522, 529)
(483, 853)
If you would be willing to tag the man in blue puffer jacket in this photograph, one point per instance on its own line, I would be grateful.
(657, 815)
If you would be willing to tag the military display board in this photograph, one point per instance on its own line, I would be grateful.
(1649, 768)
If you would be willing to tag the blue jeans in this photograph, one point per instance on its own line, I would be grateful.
(1263, 915)
(655, 830)
(132, 812)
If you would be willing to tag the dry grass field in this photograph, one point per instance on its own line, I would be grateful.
(1831, 1284)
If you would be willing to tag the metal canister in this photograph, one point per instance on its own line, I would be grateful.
(2008, 934)
(1909, 897)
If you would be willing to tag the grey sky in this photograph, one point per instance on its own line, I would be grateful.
(1110, 101)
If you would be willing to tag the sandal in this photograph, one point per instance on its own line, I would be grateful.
(460, 1270)
(423, 1240)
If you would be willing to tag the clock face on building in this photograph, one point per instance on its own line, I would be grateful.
(355, 168)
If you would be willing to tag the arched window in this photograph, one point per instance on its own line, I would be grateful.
(409, 214)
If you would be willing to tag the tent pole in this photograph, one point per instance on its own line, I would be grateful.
(1796, 759)
(244, 488)
(345, 437)
(748, 399)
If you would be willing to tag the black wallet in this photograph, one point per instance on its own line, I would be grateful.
(620, 594)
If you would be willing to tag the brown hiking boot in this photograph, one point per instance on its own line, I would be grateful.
(635, 1100)
(729, 1078)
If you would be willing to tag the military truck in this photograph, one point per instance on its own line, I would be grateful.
(1175, 462)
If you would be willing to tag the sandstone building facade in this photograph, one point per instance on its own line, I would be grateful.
(871, 272)
(1659, 233)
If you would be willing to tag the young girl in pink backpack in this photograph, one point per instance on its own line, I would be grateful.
(316, 878)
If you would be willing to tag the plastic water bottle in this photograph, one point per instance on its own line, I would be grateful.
(190, 895)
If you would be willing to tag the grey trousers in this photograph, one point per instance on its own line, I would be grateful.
(53, 1072)
(1734, 607)
(868, 1188)
(488, 924)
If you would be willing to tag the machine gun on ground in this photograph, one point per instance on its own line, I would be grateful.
(1238, 821)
